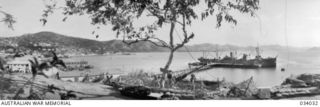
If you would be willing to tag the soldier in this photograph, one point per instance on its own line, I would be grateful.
(163, 77)
(156, 80)
(192, 80)
(58, 76)
(170, 79)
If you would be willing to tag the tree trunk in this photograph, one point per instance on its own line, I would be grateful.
(172, 50)
(166, 67)
(165, 70)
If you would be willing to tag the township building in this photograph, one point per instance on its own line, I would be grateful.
(21, 66)
(44, 47)
(76, 63)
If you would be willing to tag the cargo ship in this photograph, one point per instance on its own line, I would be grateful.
(233, 62)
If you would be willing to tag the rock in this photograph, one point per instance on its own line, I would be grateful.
(216, 97)
(264, 93)
(294, 82)
(169, 98)
(310, 79)
(285, 94)
(51, 72)
(315, 82)
(224, 91)
(278, 95)
(305, 77)
(51, 96)
(187, 97)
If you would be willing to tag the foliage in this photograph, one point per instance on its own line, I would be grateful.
(8, 19)
(122, 14)
(37, 68)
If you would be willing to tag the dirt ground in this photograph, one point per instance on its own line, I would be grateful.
(82, 90)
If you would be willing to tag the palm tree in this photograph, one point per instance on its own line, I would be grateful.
(56, 61)
(37, 69)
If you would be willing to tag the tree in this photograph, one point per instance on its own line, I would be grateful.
(121, 15)
(7, 19)
(38, 68)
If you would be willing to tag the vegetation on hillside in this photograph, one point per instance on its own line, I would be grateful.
(69, 43)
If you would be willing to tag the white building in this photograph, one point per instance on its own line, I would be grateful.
(19, 66)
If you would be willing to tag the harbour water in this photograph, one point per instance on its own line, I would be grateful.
(295, 62)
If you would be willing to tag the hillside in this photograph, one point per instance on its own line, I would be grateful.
(69, 44)
(74, 44)
(54, 39)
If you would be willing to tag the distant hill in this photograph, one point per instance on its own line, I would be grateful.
(227, 47)
(68, 43)
(314, 49)
(80, 45)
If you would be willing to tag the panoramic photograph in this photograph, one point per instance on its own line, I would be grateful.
(159, 50)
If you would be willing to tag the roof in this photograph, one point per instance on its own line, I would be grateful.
(18, 62)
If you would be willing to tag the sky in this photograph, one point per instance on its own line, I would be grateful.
(302, 17)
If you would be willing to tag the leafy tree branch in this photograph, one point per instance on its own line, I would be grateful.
(121, 15)
(8, 19)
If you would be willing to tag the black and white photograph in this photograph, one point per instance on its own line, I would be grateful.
(160, 50)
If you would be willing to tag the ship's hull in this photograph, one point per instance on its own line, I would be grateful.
(253, 63)
(269, 63)
(227, 65)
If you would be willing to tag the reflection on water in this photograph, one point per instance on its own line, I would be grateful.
(299, 62)
(262, 77)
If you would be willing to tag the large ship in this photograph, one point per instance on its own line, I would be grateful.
(233, 62)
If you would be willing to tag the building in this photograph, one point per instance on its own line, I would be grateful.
(76, 63)
(48, 48)
(19, 66)
(43, 47)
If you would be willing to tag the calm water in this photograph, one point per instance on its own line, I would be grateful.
(299, 62)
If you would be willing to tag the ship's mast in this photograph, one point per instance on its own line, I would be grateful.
(285, 30)
(217, 52)
(258, 51)
(204, 54)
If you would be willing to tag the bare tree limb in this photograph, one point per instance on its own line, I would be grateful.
(163, 42)
(185, 34)
(147, 39)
